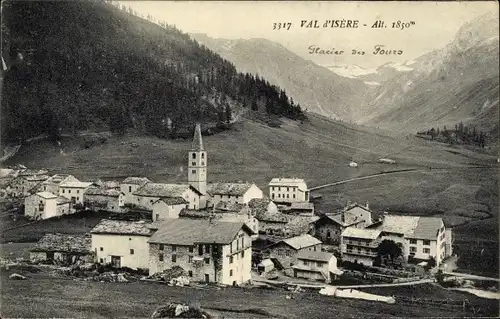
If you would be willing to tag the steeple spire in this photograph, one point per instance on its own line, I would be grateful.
(197, 140)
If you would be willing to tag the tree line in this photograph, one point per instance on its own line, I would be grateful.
(460, 134)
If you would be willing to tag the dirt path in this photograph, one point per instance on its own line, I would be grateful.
(410, 283)
(469, 276)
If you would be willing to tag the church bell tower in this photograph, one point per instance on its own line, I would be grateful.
(197, 163)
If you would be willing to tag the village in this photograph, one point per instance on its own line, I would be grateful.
(229, 233)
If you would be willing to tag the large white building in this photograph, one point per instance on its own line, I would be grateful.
(73, 190)
(121, 243)
(420, 238)
(149, 193)
(44, 205)
(288, 190)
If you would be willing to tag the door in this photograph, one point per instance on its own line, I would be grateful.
(116, 261)
(207, 278)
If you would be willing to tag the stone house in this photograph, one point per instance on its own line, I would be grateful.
(208, 250)
(62, 248)
(286, 250)
(99, 198)
(149, 193)
(359, 245)
(316, 265)
(236, 193)
(122, 243)
(129, 185)
(328, 228)
(269, 218)
(26, 184)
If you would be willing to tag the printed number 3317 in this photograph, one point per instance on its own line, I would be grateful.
(280, 25)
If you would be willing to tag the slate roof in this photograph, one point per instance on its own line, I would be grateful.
(74, 184)
(46, 195)
(361, 233)
(64, 243)
(122, 227)
(399, 224)
(190, 213)
(302, 205)
(233, 189)
(99, 191)
(161, 190)
(302, 241)
(136, 180)
(315, 255)
(427, 228)
(56, 179)
(62, 200)
(36, 178)
(172, 200)
(259, 204)
(191, 231)
(223, 206)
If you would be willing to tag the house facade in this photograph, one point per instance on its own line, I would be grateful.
(210, 251)
(235, 193)
(168, 208)
(129, 185)
(121, 243)
(52, 184)
(316, 265)
(328, 228)
(360, 245)
(149, 193)
(288, 190)
(98, 198)
(74, 190)
(42, 205)
(286, 250)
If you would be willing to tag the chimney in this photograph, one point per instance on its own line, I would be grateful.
(367, 205)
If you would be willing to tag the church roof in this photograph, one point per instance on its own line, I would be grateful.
(197, 140)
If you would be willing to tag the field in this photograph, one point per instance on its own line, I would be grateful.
(56, 297)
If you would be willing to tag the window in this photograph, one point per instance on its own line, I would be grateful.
(229, 196)
(287, 195)
(129, 238)
(130, 189)
(231, 259)
(101, 249)
(190, 259)
(193, 171)
(202, 163)
(162, 247)
(243, 254)
(202, 155)
(190, 249)
(288, 253)
(194, 155)
(427, 242)
(305, 263)
(101, 260)
(272, 195)
(157, 216)
(413, 241)
(69, 191)
(230, 273)
(131, 251)
(174, 258)
(45, 188)
(207, 260)
(293, 195)
(413, 249)
(207, 249)
(190, 273)
(174, 248)
(63, 190)
(160, 257)
(78, 191)
(279, 195)
(193, 163)
(427, 250)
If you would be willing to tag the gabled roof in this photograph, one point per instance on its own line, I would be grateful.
(75, 184)
(233, 189)
(57, 179)
(315, 255)
(191, 213)
(162, 190)
(122, 227)
(36, 178)
(302, 205)
(399, 224)
(46, 195)
(61, 200)
(64, 243)
(172, 200)
(100, 191)
(229, 207)
(302, 241)
(136, 180)
(427, 228)
(188, 232)
(361, 233)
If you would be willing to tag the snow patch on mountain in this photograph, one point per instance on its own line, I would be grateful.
(350, 71)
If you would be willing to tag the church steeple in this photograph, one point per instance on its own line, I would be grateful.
(197, 163)
(197, 140)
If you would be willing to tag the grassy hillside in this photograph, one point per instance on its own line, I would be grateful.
(75, 65)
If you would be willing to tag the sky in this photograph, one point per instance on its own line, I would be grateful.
(436, 24)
